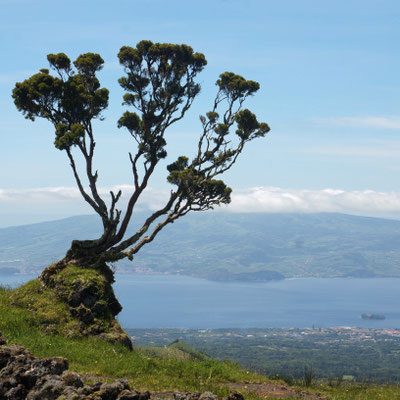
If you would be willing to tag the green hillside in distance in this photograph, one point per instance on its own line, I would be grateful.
(184, 347)
(230, 246)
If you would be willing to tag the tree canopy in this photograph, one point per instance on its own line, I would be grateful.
(160, 87)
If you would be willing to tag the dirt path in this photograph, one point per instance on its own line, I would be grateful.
(274, 390)
(270, 390)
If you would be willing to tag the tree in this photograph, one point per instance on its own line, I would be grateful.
(160, 86)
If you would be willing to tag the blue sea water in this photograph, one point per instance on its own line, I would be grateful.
(170, 301)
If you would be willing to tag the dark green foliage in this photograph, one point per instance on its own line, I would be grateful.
(216, 153)
(160, 86)
(68, 136)
(60, 62)
(248, 126)
(88, 64)
(195, 187)
(234, 86)
(74, 97)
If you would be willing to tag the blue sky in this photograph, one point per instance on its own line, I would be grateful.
(330, 90)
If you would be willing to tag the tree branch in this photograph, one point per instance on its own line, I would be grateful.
(131, 204)
(134, 238)
(79, 183)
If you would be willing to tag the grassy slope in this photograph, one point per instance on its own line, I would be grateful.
(166, 369)
(48, 306)
(358, 392)
(185, 348)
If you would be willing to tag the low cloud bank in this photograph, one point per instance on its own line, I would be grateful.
(61, 196)
(33, 205)
(26, 206)
(273, 199)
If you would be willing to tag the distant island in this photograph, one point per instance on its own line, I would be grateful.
(232, 247)
(372, 316)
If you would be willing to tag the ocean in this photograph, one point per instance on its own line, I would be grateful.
(173, 301)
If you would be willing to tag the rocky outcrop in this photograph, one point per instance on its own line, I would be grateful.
(25, 377)
(74, 301)
(91, 303)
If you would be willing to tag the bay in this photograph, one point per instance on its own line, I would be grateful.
(172, 301)
(184, 302)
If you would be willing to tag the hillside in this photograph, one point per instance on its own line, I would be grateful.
(108, 370)
(102, 364)
(227, 246)
(95, 357)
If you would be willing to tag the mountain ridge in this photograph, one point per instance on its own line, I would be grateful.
(229, 246)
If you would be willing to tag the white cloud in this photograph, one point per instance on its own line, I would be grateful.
(25, 206)
(273, 199)
(37, 194)
(54, 196)
(364, 122)
(34, 205)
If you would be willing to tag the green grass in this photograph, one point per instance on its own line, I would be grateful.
(157, 371)
(40, 307)
(358, 391)
(47, 306)
(178, 367)
(186, 349)
(165, 352)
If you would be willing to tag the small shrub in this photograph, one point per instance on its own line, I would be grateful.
(308, 376)
(289, 380)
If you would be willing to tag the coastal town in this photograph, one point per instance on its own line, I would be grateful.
(342, 352)
(340, 334)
